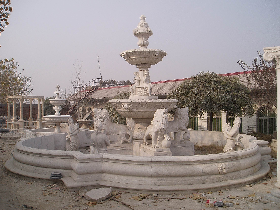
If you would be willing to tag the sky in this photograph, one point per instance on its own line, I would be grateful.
(53, 40)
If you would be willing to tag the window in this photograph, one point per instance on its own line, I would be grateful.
(217, 122)
(193, 123)
(266, 121)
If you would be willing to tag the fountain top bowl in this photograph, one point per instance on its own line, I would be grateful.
(57, 102)
(140, 57)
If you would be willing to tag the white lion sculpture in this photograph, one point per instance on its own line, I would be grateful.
(179, 126)
(102, 122)
(162, 129)
(157, 129)
(100, 142)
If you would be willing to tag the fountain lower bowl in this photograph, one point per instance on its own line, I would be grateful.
(41, 156)
(56, 118)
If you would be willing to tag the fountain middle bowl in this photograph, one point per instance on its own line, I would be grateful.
(141, 108)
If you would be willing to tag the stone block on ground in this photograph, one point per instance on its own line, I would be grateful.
(99, 194)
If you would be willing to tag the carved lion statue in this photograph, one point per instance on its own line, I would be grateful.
(179, 126)
(100, 142)
(157, 129)
(102, 122)
(162, 129)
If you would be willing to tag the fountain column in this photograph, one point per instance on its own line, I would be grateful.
(270, 54)
(142, 85)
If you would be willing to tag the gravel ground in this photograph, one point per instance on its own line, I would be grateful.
(19, 192)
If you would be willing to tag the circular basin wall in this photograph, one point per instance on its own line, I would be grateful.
(41, 156)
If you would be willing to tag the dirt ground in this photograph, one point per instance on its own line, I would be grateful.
(19, 192)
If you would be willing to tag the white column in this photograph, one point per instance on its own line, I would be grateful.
(21, 108)
(21, 121)
(42, 114)
(14, 110)
(42, 108)
(9, 113)
(224, 120)
(30, 115)
(39, 109)
(39, 118)
(273, 53)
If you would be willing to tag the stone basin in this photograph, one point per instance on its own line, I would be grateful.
(141, 110)
(57, 102)
(56, 118)
(42, 155)
(146, 57)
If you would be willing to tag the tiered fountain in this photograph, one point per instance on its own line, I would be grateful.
(57, 118)
(141, 105)
(41, 156)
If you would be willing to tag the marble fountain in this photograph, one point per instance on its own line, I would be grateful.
(57, 118)
(152, 152)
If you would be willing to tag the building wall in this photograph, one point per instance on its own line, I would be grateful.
(249, 124)
(202, 122)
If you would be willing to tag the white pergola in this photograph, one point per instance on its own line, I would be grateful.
(13, 122)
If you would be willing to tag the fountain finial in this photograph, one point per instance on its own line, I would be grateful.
(143, 32)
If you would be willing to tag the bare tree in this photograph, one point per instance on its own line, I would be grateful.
(261, 79)
(11, 81)
(5, 10)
